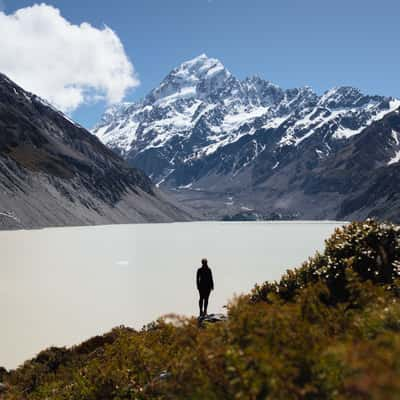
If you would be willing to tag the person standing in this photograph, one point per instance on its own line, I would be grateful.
(205, 283)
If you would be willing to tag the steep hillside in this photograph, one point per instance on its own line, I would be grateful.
(54, 172)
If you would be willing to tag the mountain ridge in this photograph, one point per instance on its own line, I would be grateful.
(55, 173)
(202, 130)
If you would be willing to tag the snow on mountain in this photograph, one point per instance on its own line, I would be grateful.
(196, 78)
(395, 145)
(200, 109)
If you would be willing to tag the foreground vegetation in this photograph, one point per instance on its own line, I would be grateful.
(327, 330)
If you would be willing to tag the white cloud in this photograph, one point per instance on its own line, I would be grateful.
(64, 63)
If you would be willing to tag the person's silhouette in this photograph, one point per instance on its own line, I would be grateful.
(205, 284)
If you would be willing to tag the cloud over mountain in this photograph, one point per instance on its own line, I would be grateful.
(64, 63)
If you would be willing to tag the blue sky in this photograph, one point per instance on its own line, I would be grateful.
(292, 43)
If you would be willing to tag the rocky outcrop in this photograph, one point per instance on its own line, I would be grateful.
(211, 319)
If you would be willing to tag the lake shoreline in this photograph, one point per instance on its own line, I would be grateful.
(321, 317)
(319, 221)
(72, 283)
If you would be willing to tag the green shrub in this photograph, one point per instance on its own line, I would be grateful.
(370, 249)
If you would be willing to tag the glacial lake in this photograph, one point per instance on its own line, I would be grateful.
(60, 286)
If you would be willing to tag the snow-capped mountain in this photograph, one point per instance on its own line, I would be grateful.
(202, 128)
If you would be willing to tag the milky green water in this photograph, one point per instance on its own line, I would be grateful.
(61, 286)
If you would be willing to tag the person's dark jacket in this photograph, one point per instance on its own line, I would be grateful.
(204, 279)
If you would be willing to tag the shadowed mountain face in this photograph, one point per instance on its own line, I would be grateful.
(226, 145)
(54, 172)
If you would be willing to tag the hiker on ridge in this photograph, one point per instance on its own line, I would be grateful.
(205, 284)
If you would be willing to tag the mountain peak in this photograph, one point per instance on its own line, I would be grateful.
(196, 77)
(199, 59)
(200, 67)
(343, 96)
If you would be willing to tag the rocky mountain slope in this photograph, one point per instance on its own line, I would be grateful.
(54, 172)
(227, 145)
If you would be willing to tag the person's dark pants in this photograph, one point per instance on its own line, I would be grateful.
(203, 301)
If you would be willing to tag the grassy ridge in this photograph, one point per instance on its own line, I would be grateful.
(327, 330)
